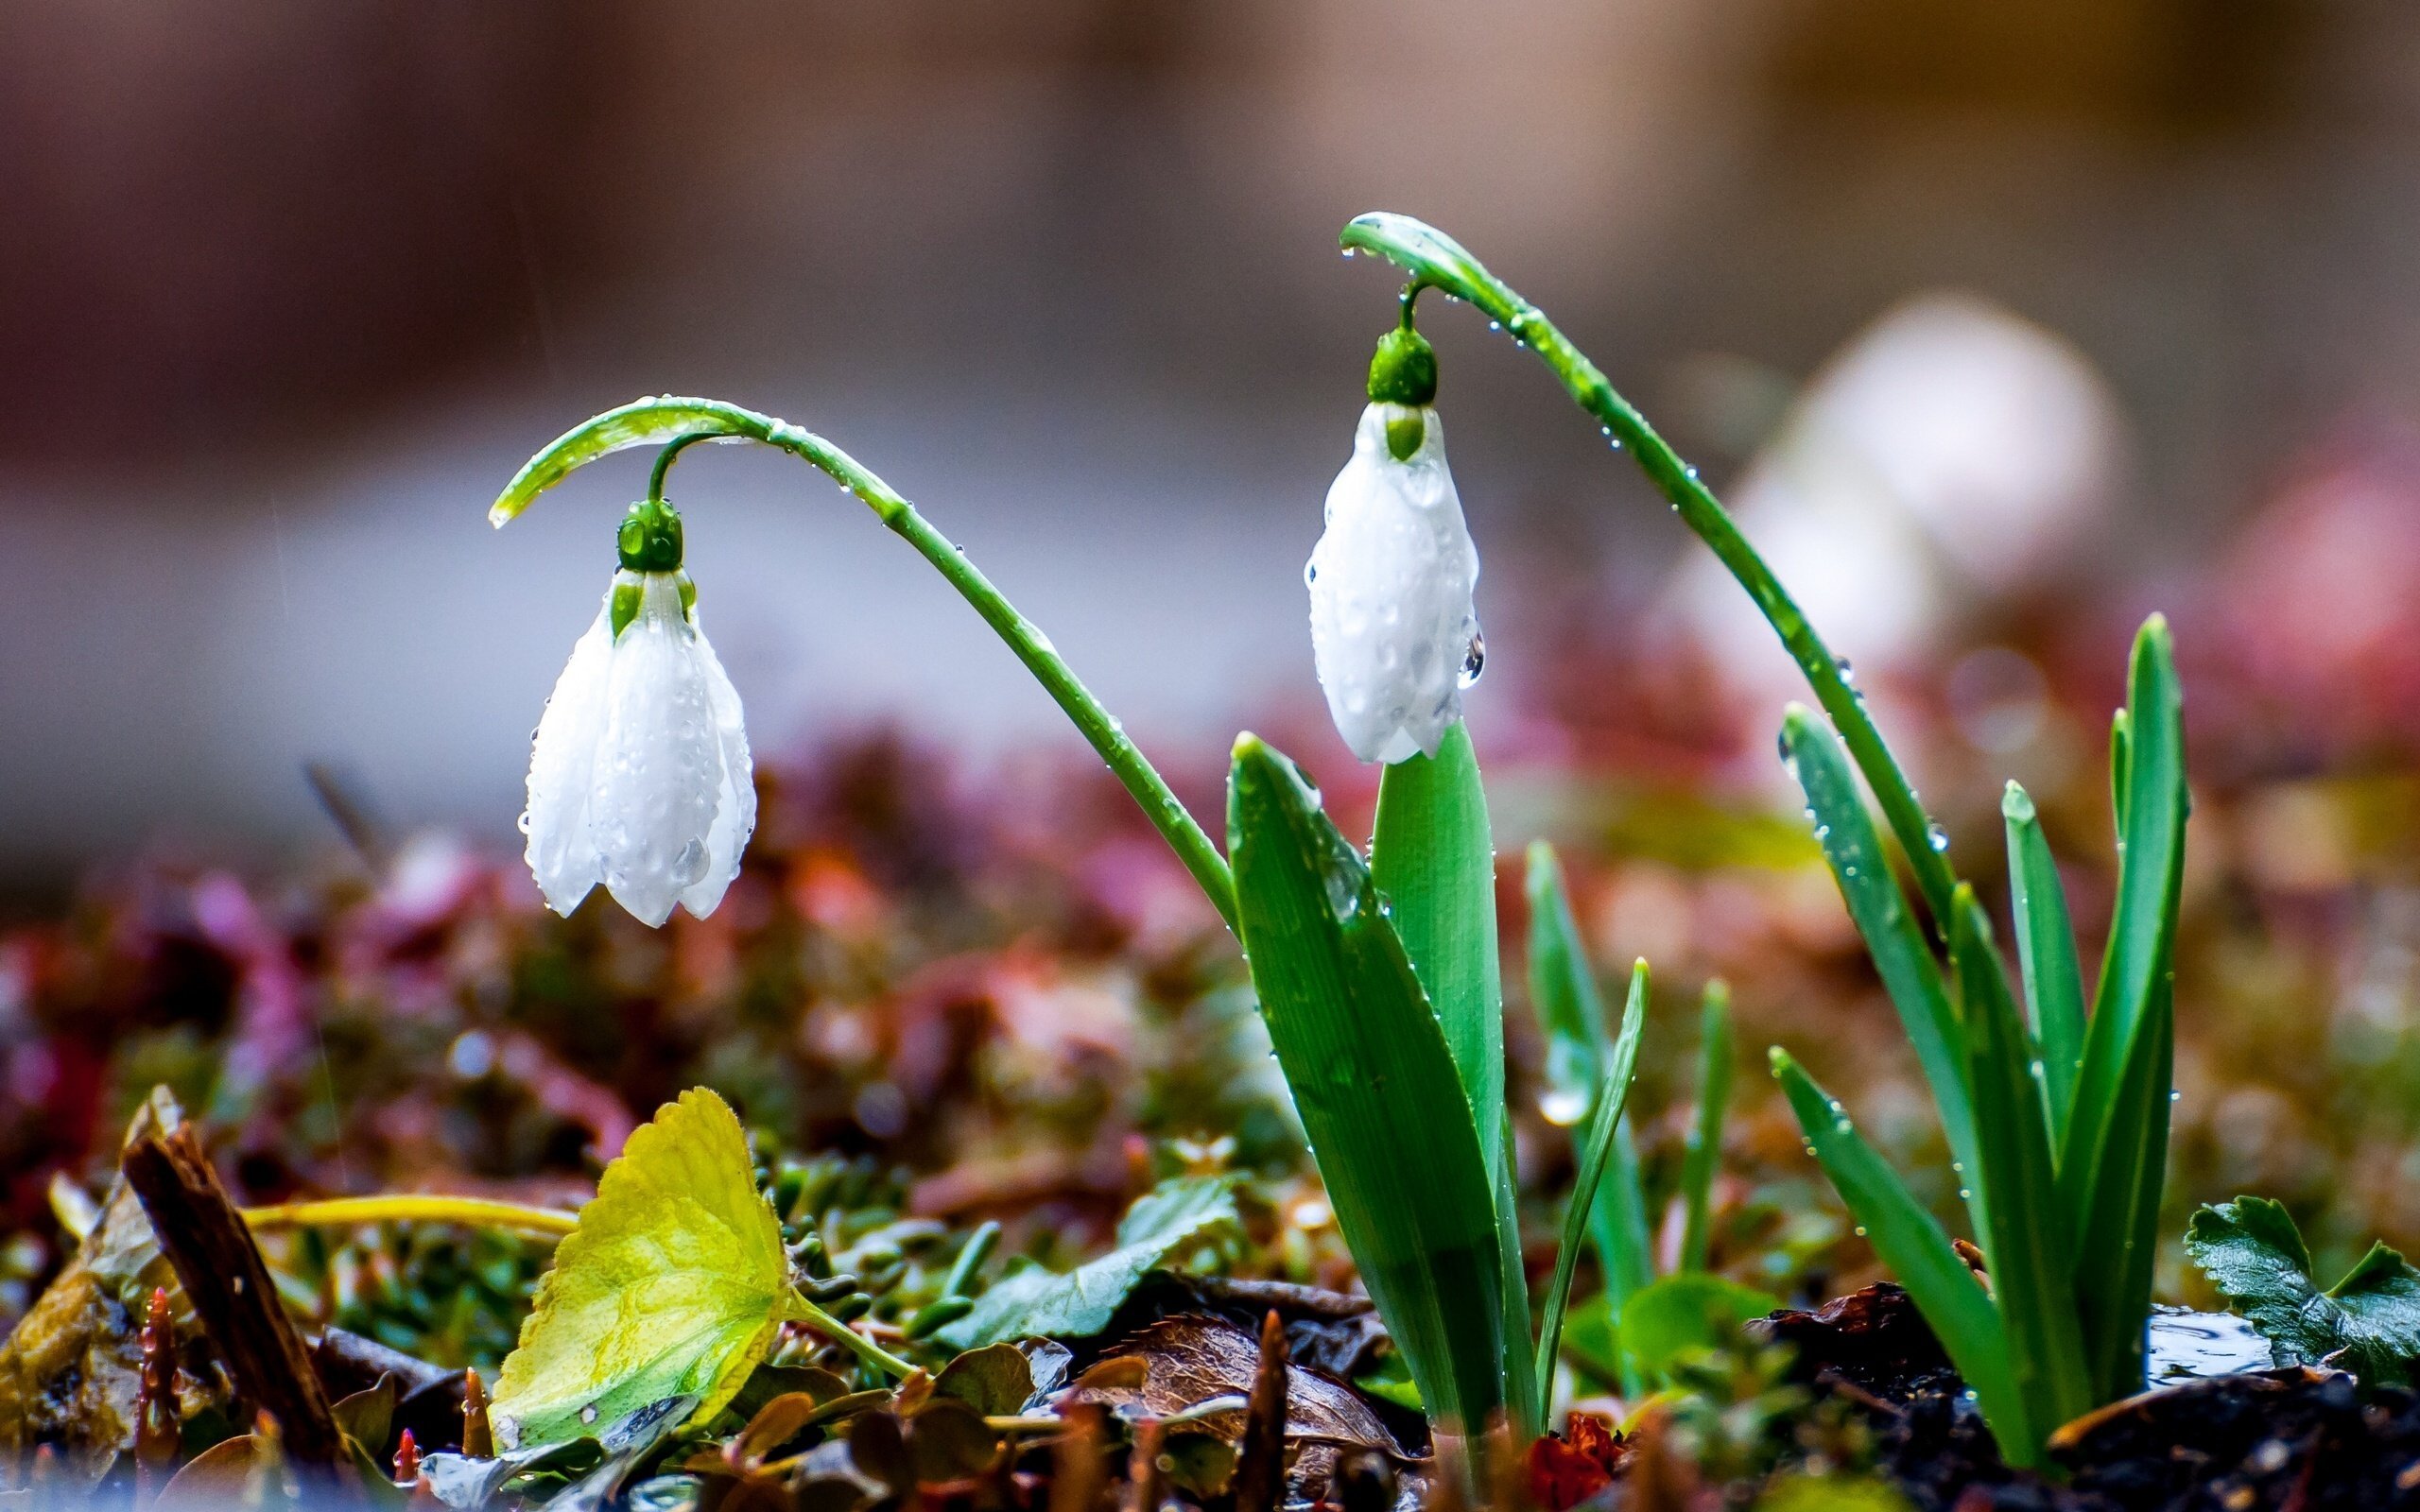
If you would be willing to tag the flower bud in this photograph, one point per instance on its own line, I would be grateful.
(1394, 628)
(639, 774)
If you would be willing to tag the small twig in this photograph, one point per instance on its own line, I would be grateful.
(1260, 1463)
(213, 1256)
(157, 1422)
(1146, 1483)
(1076, 1478)
(478, 1439)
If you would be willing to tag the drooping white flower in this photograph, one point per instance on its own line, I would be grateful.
(639, 775)
(1393, 629)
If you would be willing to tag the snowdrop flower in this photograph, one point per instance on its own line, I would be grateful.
(639, 776)
(1392, 626)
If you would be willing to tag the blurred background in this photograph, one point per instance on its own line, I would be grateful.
(1999, 324)
(2081, 287)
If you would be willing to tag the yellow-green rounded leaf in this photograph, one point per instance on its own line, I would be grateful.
(674, 1282)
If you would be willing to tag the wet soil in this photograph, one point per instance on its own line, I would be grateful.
(2292, 1440)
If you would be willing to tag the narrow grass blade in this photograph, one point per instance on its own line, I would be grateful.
(2032, 1261)
(1919, 1254)
(1374, 1084)
(2121, 745)
(2046, 947)
(1523, 1391)
(1900, 953)
(1611, 1097)
(2120, 1239)
(1571, 1016)
(1705, 1138)
(2108, 1177)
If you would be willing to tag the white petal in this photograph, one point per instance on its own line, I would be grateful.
(562, 756)
(1390, 581)
(735, 805)
(659, 762)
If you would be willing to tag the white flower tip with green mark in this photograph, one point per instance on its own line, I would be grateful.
(1393, 629)
(639, 775)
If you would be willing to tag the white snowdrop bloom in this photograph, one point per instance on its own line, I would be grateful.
(639, 775)
(1392, 626)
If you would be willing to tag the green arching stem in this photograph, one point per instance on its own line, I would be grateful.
(472, 1212)
(803, 1310)
(664, 460)
(680, 423)
(1437, 261)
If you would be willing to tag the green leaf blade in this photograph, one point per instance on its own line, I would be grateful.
(1571, 1019)
(1879, 907)
(1919, 1254)
(2113, 1163)
(2046, 948)
(1705, 1156)
(1620, 1072)
(1433, 859)
(2031, 1266)
(1374, 1084)
(673, 1283)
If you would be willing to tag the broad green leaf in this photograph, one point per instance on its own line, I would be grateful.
(1374, 1085)
(2031, 1266)
(2112, 1164)
(2252, 1251)
(1919, 1254)
(2046, 948)
(1706, 1137)
(674, 1283)
(1684, 1315)
(1619, 1069)
(1432, 858)
(1571, 1018)
(1044, 1303)
(1875, 900)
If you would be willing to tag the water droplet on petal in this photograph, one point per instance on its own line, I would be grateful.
(1474, 660)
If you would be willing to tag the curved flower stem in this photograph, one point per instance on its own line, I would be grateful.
(471, 1212)
(683, 422)
(803, 1310)
(1437, 261)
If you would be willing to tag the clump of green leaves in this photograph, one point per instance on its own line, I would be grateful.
(1381, 987)
(2368, 1322)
